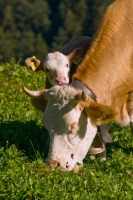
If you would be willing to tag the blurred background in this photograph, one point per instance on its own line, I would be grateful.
(36, 27)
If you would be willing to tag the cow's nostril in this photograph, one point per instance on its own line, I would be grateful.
(57, 80)
(58, 164)
(64, 80)
(67, 165)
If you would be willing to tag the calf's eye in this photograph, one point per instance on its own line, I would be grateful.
(47, 70)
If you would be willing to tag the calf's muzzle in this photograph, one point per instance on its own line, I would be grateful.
(61, 81)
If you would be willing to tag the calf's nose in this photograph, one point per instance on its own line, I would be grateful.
(61, 80)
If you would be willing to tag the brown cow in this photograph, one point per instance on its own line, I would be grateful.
(107, 72)
(107, 68)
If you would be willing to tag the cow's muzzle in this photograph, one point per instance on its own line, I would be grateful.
(63, 166)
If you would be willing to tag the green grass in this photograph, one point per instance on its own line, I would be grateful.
(23, 172)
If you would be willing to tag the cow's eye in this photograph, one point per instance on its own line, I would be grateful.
(67, 65)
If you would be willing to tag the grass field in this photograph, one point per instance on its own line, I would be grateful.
(23, 149)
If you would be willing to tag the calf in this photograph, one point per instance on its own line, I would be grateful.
(59, 66)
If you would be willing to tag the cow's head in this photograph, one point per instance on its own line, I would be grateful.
(71, 118)
(57, 65)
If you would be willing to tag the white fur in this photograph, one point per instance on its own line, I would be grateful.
(59, 115)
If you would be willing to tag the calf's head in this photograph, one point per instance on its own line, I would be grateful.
(71, 118)
(57, 65)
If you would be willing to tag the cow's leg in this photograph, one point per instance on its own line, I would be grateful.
(131, 127)
(102, 156)
(131, 120)
(130, 110)
(98, 148)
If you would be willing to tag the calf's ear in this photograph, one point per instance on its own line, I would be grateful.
(99, 113)
(39, 103)
(76, 56)
(34, 63)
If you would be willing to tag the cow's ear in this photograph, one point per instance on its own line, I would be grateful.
(99, 113)
(76, 56)
(34, 63)
(81, 96)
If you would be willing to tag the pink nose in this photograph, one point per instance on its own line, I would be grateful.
(61, 80)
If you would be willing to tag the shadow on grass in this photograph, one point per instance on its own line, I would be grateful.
(32, 139)
(116, 146)
(124, 139)
(28, 137)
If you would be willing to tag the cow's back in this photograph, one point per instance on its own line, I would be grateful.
(79, 42)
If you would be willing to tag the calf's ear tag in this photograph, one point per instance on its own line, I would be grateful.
(33, 65)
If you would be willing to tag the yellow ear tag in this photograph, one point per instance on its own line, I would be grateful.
(32, 65)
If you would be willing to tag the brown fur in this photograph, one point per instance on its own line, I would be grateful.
(107, 68)
(98, 113)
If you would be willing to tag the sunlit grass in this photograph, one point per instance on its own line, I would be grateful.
(23, 171)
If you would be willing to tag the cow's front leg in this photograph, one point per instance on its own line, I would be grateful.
(130, 110)
(131, 127)
(98, 148)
